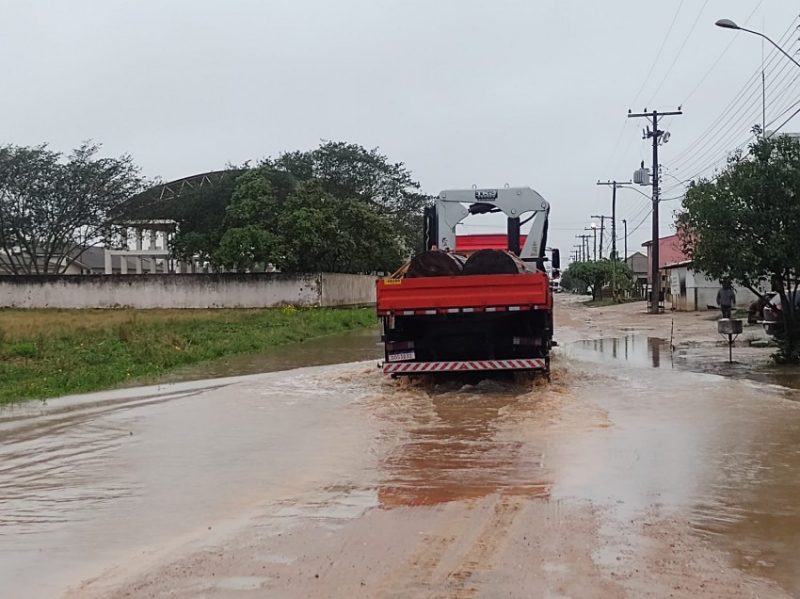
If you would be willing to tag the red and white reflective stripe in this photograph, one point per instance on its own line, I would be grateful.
(521, 364)
(470, 310)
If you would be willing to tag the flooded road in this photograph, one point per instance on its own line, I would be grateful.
(624, 477)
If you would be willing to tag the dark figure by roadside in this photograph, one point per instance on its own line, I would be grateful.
(726, 299)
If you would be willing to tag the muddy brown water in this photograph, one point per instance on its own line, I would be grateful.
(715, 441)
(106, 484)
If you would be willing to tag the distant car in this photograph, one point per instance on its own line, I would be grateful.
(555, 285)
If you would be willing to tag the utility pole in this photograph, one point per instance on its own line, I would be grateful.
(593, 229)
(584, 245)
(625, 224)
(602, 218)
(658, 137)
(614, 186)
(578, 252)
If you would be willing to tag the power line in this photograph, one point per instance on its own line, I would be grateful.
(641, 222)
(779, 127)
(645, 81)
(721, 55)
(658, 54)
(741, 116)
(739, 128)
(680, 51)
(704, 138)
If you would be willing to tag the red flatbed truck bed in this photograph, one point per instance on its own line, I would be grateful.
(466, 323)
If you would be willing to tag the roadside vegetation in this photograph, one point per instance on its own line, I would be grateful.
(595, 276)
(47, 353)
(743, 226)
(336, 208)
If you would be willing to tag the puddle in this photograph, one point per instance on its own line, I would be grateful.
(634, 350)
(719, 452)
(642, 351)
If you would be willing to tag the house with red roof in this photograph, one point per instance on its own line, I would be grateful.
(685, 288)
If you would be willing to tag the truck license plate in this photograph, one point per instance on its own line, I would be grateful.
(402, 356)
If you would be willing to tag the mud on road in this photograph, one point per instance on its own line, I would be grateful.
(621, 478)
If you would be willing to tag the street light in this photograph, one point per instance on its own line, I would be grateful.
(728, 24)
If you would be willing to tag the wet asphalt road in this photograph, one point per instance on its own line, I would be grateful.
(633, 477)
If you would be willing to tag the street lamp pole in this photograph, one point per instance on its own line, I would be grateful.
(728, 24)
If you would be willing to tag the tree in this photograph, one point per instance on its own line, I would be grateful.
(200, 213)
(321, 232)
(351, 172)
(743, 226)
(249, 234)
(338, 208)
(52, 209)
(595, 275)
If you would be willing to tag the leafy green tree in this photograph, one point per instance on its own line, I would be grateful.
(744, 226)
(321, 232)
(53, 207)
(595, 275)
(251, 238)
(351, 172)
(338, 208)
(571, 283)
(200, 214)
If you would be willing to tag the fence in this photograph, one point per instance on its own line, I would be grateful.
(258, 290)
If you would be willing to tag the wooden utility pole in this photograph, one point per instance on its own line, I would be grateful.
(602, 218)
(625, 224)
(593, 229)
(656, 135)
(584, 246)
(614, 186)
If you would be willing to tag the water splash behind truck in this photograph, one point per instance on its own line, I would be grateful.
(472, 308)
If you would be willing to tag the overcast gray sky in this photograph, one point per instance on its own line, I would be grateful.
(463, 91)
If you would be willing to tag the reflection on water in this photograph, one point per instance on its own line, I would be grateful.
(458, 444)
(637, 350)
(753, 364)
(724, 452)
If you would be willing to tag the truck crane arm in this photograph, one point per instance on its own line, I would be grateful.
(453, 206)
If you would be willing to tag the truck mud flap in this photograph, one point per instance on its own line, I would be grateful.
(420, 367)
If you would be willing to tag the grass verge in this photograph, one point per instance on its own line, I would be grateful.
(47, 353)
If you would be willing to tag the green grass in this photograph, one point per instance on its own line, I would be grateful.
(47, 353)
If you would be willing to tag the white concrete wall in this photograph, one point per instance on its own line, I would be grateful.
(263, 290)
(347, 290)
(701, 292)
